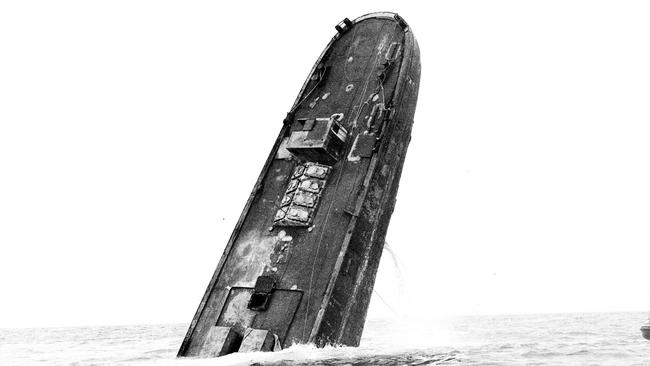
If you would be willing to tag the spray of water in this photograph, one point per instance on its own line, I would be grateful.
(400, 283)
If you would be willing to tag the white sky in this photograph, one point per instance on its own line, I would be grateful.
(131, 133)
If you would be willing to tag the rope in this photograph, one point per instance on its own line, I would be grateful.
(385, 303)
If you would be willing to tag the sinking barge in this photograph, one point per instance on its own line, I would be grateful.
(301, 262)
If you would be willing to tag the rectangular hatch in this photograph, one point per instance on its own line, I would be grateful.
(319, 140)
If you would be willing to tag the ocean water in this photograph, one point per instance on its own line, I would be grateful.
(548, 339)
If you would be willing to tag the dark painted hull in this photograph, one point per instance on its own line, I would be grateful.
(314, 257)
(645, 331)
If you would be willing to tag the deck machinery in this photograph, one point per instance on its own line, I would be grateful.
(301, 262)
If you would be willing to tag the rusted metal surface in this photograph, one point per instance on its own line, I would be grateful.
(302, 259)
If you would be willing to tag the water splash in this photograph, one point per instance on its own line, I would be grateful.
(504, 340)
(400, 284)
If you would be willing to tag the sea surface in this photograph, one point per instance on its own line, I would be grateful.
(548, 339)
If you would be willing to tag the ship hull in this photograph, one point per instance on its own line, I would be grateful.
(645, 331)
(301, 262)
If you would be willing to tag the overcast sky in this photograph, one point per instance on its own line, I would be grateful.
(132, 132)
